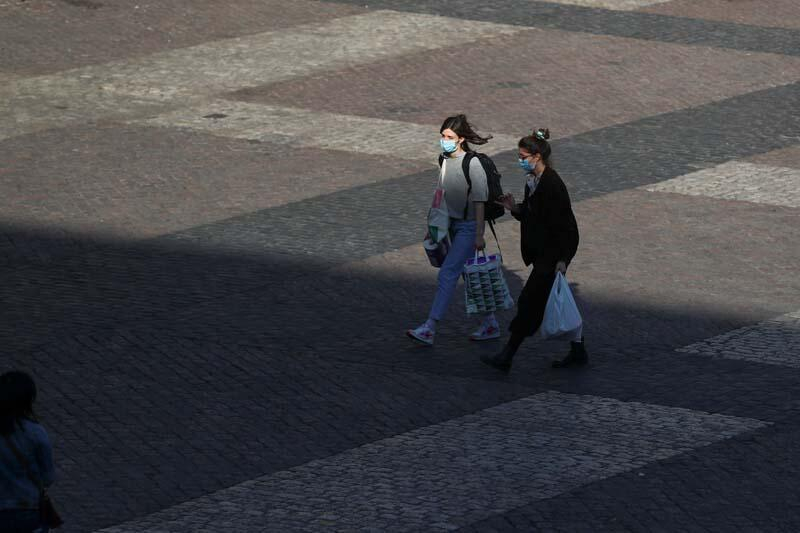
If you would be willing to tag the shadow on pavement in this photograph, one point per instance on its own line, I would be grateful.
(168, 372)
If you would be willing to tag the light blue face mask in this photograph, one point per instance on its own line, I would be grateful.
(448, 146)
(526, 165)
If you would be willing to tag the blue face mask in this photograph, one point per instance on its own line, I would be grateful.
(448, 146)
(526, 165)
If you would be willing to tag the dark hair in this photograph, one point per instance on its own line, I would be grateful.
(536, 143)
(462, 128)
(17, 394)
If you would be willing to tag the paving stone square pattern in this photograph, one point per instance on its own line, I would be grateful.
(145, 85)
(448, 475)
(210, 226)
(772, 342)
(596, 82)
(98, 31)
(314, 129)
(598, 21)
(200, 178)
(785, 157)
(737, 180)
(779, 13)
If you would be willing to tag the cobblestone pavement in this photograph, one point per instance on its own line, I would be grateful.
(210, 217)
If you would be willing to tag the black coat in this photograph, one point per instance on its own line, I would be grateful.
(549, 229)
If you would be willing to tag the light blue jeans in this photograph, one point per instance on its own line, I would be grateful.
(462, 247)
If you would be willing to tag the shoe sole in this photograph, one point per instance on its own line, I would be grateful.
(481, 339)
(418, 340)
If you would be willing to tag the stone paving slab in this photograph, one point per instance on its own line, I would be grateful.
(775, 13)
(786, 157)
(126, 89)
(692, 251)
(51, 35)
(746, 485)
(450, 474)
(740, 181)
(99, 183)
(145, 422)
(773, 342)
(637, 25)
(592, 82)
(310, 128)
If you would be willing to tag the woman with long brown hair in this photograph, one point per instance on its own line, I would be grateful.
(466, 202)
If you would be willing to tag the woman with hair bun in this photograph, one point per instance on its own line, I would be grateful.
(549, 242)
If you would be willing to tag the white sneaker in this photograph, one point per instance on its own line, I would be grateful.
(489, 330)
(422, 334)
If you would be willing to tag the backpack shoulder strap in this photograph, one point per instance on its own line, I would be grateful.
(465, 168)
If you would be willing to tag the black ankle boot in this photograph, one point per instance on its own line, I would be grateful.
(577, 356)
(500, 361)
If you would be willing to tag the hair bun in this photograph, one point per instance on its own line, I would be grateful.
(542, 134)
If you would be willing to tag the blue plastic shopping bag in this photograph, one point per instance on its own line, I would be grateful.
(561, 315)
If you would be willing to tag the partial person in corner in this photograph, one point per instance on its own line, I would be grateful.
(466, 203)
(26, 457)
(549, 242)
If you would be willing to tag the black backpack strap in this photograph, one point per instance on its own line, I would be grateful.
(465, 168)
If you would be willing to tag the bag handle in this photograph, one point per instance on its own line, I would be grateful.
(490, 222)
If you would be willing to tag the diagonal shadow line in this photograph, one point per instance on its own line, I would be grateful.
(354, 224)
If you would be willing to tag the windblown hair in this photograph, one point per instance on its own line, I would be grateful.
(462, 128)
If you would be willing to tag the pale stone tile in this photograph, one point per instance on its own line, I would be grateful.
(737, 180)
(772, 342)
(308, 128)
(140, 87)
(460, 471)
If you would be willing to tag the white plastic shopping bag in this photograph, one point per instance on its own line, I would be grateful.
(438, 214)
(561, 315)
(485, 287)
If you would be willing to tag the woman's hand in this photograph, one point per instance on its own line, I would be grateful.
(507, 201)
(480, 243)
(561, 266)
